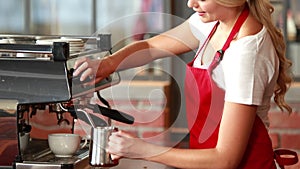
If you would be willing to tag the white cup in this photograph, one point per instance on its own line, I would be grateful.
(64, 144)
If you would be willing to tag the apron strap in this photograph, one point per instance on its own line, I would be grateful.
(236, 27)
(219, 55)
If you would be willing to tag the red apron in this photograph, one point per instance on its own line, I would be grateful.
(204, 105)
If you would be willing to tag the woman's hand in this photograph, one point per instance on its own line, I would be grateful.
(98, 69)
(123, 144)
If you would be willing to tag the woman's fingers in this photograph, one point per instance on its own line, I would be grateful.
(123, 144)
(115, 157)
(88, 71)
(80, 65)
(116, 143)
(79, 62)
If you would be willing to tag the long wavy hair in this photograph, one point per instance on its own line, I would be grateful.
(262, 10)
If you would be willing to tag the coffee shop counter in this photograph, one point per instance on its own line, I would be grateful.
(135, 164)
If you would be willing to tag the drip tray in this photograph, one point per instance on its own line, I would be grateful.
(45, 159)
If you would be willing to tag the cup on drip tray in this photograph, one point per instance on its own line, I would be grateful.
(65, 144)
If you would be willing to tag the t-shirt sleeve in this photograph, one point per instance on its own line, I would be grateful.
(247, 77)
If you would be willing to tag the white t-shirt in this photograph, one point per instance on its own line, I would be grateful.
(248, 71)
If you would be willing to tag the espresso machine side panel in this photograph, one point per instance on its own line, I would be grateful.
(35, 81)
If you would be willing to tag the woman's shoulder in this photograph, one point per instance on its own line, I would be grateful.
(255, 48)
(251, 27)
(258, 42)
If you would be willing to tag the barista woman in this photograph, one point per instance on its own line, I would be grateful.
(239, 66)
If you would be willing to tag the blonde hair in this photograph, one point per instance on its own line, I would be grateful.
(262, 11)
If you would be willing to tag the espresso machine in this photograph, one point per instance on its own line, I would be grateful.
(36, 75)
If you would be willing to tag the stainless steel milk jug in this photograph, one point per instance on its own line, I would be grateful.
(98, 156)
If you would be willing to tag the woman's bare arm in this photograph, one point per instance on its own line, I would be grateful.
(171, 43)
(235, 130)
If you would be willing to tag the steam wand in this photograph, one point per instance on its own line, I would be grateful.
(88, 117)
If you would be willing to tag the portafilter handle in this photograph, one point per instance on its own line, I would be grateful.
(112, 113)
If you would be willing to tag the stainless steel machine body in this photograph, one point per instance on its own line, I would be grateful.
(38, 77)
